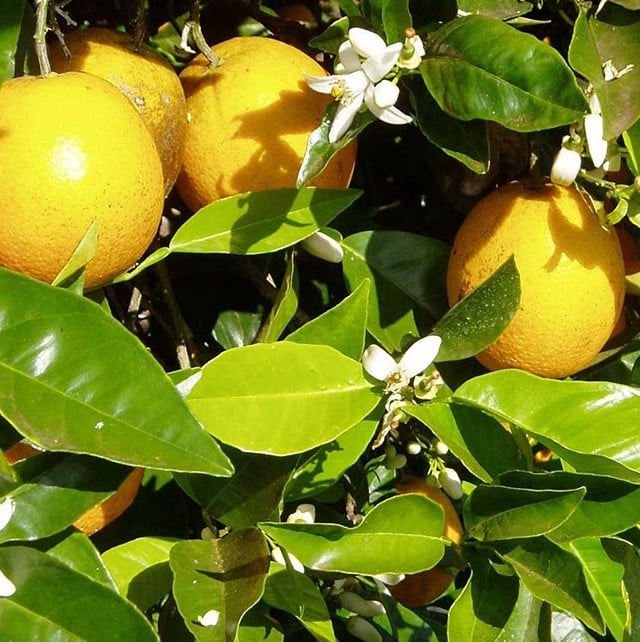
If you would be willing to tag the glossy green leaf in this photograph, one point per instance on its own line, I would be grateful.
(260, 222)
(258, 625)
(83, 253)
(479, 441)
(406, 272)
(479, 68)
(332, 37)
(252, 494)
(610, 505)
(467, 142)
(552, 575)
(478, 319)
(500, 512)
(284, 307)
(631, 139)
(54, 602)
(402, 534)
(74, 379)
(234, 329)
(592, 425)
(408, 625)
(493, 606)
(60, 491)
(225, 575)
(140, 569)
(498, 9)
(298, 595)
(610, 38)
(343, 327)
(281, 398)
(151, 259)
(395, 19)
(325, 467)
(604, 579)
(10, 22)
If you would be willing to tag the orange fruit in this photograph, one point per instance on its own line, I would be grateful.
(249, 121)
(571, 275)
(422, 588)
(74, 150)
(143, 76)
(99, 516)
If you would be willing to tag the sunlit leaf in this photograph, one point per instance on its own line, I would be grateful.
(10, 22)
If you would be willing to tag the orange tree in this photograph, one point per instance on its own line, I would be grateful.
(280, 359)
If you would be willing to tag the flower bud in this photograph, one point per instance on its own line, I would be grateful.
(357, 604)
(363, 629)
(414, 448)
(596, 144)
(450, 483)
(566, 166)
(304, 514)
(441, 448)
(210, 618)
(7, 587)
(324, 247)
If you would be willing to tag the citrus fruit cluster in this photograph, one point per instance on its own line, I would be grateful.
(106, 136)
(571, 275)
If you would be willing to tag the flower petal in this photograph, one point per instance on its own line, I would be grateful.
(210, 618)
(420, 355)
(366, 43)
(7, 587)
(6, 511)
(324, 247)
(349, 58)
(345, 114)
(391, 115)
(597, 145)
(377, 67)
(566, 166)
(385, 94)
(304, 513)
(378, 363)
(322, 84)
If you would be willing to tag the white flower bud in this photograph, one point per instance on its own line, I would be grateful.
(304, 514)
(414, 448)
(324, 247)
(357, 604)
(278, 557)
(596, 144)
(566, 166)
(385, 94)
(441, 448)
(7, 587)
(450, 483)
(210, 618)
(7, 507)
(363, 629)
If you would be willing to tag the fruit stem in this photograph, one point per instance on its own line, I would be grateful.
(39, 37)
(192, 28)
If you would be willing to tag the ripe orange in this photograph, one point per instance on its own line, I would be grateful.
(249, 121)
(74, 150)
(99, 516)
(421, 588)
(146, 79)
(571, 275)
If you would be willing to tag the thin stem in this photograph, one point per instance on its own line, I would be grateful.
(40, 36)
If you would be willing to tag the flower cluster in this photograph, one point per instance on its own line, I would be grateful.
(364, 62)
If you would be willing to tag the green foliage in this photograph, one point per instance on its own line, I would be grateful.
(234, 366)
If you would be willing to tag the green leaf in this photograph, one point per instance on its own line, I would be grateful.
(298, 595)
(552, 575)
(10, 22)
(479, 68)
(406, 272)
(234, 329)
(260, 222)
(613, 36)
(396, 19)
(281, 398)
(284, 307)
(225, 575)
(467, 142)
(604, 579)
(402, 534)
(83, 253)
(631, 139)
(61, 490)
(493, 606)
(140, 569)
(479, 441)
(609, 506)
(325, 467)
(74, 379)
(54, 602)
(252, 494)
(479, 318)
(591, 425)
(151, 259)
(332, 37)
(498, 9)
(343, 327)
(501, 512)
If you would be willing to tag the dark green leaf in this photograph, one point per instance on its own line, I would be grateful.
(281, 398)
(54, 602)
(332, 37)
(10, 22)
(611, 38)
(552, 575)
(260, 222)
(407, 282)
(479, 68)
(479, 441)
(343, 327)
(501, 512)
(74, 379)
(234, 329)
(225, 575)
(498, 9)
(592, 425)
(478, 319)
(632, 142)
(395, 19)
(402, 534)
